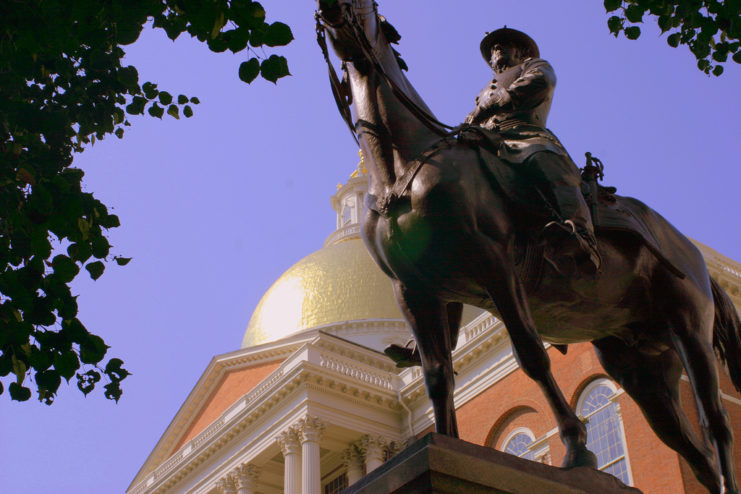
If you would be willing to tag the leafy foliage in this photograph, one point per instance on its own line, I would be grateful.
(62, 87)
(710, 28)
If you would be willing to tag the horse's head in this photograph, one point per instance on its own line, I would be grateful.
(343, 19)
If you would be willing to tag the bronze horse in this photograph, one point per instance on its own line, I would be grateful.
(446, 233)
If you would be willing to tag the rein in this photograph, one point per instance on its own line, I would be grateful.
(342, 96)
(342, 99)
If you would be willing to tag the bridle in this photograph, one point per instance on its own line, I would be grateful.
(341, 92)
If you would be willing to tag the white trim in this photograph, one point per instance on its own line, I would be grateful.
(514, 432)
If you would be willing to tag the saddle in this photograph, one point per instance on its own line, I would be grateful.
(610, 211)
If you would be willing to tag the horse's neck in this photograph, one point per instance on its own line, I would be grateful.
(390, 135)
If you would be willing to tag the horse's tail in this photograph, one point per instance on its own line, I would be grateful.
(727, 333)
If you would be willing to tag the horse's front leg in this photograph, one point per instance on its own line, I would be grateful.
(428, 318)
(508, 295)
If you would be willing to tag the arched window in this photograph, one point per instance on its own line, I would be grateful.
(518, 443)
(605, 437)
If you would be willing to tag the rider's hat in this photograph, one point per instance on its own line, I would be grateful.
(524, 42)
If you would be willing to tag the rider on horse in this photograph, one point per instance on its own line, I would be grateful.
(515, 104)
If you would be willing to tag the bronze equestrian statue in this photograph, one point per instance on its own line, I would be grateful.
(458, 216)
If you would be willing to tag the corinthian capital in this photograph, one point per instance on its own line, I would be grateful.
(310, 429)
(288, 441)
(373, 446)
(226, 485)
(246, 475)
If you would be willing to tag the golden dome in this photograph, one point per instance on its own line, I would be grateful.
(335, 284)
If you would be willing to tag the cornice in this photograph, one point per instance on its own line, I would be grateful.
(313, 366)
(212, 375)
(724, 269)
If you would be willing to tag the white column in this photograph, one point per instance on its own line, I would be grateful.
(290, 447)
(353, 460)
(310, 431)
(374, 449)
(246, 478)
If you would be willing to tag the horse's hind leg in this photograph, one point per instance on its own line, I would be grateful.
(429, 320)
(508, 295)
(692, 340)
(653, 382)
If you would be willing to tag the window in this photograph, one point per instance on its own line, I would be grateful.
(605, 437)
(336, 485)
(518, 444)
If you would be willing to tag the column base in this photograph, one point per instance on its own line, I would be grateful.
(440, 464)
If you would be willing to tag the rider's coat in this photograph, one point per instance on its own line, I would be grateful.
(516, 103)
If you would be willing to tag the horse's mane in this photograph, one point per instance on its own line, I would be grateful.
(393, 37)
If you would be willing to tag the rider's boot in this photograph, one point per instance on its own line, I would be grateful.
(570, 246)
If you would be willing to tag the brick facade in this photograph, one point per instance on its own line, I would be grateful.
(516, 401)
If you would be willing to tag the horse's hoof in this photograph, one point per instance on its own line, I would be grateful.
(579, 457)
(403, 356)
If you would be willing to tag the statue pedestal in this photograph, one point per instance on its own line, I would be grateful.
(440, 464)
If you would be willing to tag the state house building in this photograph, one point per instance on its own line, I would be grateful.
(309, 403)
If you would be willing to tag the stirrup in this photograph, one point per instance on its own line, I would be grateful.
(571, 249)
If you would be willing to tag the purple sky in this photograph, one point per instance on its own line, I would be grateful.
(214, 208)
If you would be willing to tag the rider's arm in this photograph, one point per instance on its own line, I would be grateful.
(534, 85)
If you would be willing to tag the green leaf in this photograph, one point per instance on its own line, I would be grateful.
(110, 221)
(74, 331)
(48, 380)
(237, 39)
(92, 349)
(665, 23)
(174, 111)
(165, 98)
(19, 369)
(128, 32)
(634, 13)
(611, 5)
(80, 251)
(122, 261)
(86, 382)
(195, 100)
(156, 111)
(278, 34)
(18, 392)
(182, 99)
(717, 70)
(615, 24)
(187, 111)
(84, 227)
(129, 77)
(114, 370)
(67, 307)
(737, 57)
(673, 40)
(150, 90)
(119, 133)
(95, 269)
(632, 32)
(274, 68)
(113, 391)
(136, 107)
(249, 70)
(100, 247)
(66, 363)
(65, 268)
